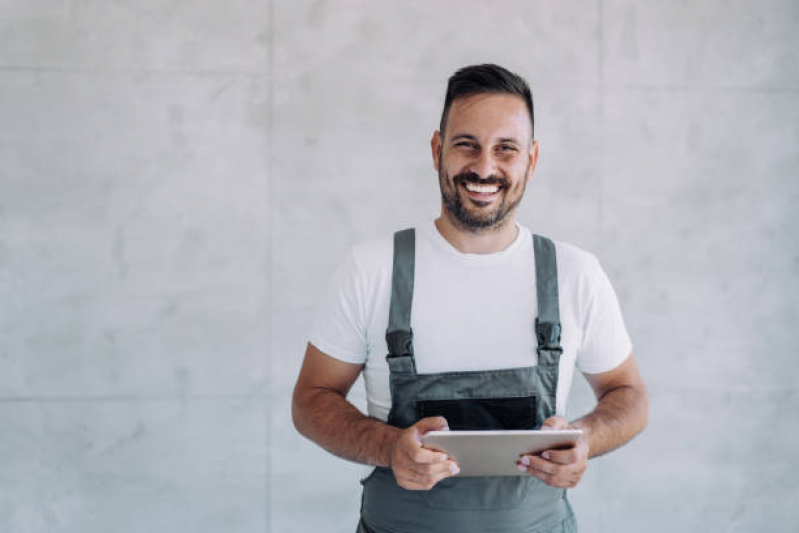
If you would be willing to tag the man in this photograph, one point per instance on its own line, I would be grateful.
(483, 324)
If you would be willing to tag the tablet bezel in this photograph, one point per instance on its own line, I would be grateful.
(495, 452)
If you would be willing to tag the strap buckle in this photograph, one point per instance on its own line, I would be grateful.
(548, 335)
(400, 342)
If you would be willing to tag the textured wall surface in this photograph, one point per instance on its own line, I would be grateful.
(179, 179)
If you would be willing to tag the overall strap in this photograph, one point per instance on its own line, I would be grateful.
(399, 335)
(547, 325)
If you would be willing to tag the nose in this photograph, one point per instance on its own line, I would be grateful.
(484, 165)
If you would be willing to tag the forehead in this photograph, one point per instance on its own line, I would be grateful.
(489, 116)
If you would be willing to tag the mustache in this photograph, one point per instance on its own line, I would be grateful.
(473, 177)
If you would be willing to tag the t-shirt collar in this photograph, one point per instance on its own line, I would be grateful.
(443, 245)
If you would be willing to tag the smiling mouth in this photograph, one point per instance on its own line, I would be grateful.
(481, 192)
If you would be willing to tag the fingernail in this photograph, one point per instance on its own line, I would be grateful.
(546, 455)
(454, 469)
(521, 468)
(525, 460)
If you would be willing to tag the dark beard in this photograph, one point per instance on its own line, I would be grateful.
(462, 216)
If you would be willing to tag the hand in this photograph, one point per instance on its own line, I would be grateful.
(562, 468)
(418, 468)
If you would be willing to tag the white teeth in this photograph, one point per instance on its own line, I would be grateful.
(485, 189)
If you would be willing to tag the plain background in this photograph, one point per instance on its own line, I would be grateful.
(179, 179)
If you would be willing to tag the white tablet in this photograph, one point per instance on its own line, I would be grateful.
(495, 452)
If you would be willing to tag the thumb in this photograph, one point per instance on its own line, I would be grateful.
(555, 422)
(432, 423)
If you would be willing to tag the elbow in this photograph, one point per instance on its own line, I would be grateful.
(305, 410)
(298, 411)
(644, 408)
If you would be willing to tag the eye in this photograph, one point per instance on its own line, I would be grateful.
(465, 144)
(507, 148)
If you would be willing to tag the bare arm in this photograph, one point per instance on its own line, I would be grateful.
(621, 413)
(622, 408)
(321, 412)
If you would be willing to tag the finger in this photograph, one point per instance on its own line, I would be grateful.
(555, 422)
(537, 464)
(418, 454)
(452, 470)
(439, 471)
(543, 476)
(424, 462)
(410, 478)
(408, 484)
(410, 447)
(434, 469)
(553, 470)
(560, 477)
(576, 453)
(565, 456)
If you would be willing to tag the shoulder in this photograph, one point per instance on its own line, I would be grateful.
(581, 277)
(579, 274)
(575, 260)
(369, 264)
(374, 256)
(574, 263)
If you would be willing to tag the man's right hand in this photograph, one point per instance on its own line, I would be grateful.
(416, 467)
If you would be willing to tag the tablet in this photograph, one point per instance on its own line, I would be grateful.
(495, 452)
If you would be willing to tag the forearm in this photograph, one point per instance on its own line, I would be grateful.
(327, 418)
(619, 416)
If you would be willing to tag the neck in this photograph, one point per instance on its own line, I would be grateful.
(486, 241)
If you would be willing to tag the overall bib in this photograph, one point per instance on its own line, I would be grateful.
(515, 398)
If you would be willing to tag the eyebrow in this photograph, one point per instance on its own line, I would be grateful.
(473, 138)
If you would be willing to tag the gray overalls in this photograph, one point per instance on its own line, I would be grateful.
(515, 398)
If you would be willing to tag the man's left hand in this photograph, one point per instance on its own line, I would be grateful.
(562, 468)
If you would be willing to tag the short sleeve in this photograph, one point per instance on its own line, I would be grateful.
(605, 343)
(339, 328)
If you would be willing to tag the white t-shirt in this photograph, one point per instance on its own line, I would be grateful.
(470, 312)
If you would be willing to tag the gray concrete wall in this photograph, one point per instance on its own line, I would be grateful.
(178, 179)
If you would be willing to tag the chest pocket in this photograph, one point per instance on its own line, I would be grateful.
(482, 413)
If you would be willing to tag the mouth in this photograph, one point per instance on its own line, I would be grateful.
(481, 193)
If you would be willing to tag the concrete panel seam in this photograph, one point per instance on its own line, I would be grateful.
(133, 71)
(129, 398)
(270, 109)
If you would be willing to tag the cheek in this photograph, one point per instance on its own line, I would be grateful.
(454, 163)
(453, 170)
(520, 171)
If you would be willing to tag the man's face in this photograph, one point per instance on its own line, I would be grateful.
(484, 160)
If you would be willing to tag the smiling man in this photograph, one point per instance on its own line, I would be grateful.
(469, 322)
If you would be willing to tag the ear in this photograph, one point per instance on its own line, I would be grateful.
(533, 160)
(435, 147)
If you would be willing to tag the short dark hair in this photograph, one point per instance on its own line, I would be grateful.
(486, 79)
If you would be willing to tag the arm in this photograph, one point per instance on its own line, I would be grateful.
(322, 413)
(622, 408)
(620, 414)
